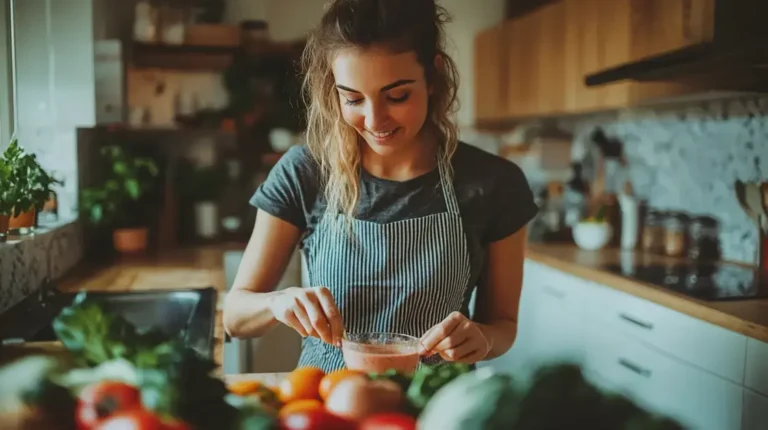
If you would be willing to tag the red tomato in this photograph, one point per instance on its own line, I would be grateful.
(102, 399)
(132, 420)
(314, 420)
(388, 421)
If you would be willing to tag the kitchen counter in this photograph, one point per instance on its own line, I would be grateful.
(748, 317)
(268, 379)
(195, 267)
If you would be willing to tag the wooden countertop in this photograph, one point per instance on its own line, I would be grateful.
(268, 379)
(749, 317)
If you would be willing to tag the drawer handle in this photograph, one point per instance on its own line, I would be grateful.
(635, 368)
(635, 321)
(553, 292)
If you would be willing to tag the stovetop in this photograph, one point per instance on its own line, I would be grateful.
(703, 281)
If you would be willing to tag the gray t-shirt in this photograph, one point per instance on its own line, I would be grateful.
(494, 197)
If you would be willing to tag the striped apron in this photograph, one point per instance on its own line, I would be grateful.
(403, 277)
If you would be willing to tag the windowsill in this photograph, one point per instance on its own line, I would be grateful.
(42, 229)
(27, 261)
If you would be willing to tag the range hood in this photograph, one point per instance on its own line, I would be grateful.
(739, 44)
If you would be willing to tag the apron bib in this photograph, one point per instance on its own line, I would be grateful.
(402, 277)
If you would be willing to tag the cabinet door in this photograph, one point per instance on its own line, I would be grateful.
(660, 26)
(660, 383)
(490, 74)
(755, 411)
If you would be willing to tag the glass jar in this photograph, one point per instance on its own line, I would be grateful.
(674, 235)
(703, 238)
(653, 233)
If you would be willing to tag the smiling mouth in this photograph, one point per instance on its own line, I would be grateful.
(383, 134)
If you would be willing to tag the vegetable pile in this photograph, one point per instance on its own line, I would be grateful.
(122, 379)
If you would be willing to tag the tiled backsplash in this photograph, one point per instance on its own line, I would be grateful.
(688, 159)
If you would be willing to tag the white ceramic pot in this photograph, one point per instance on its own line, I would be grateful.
(592, 235)
(206, 219)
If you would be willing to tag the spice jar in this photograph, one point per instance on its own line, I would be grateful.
(702, 238)
(653, 233)
(674, 235)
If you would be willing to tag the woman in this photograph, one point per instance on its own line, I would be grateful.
(397, 220)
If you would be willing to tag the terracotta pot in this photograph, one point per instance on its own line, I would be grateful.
(4, 221)
(24, 220)
(130, 240)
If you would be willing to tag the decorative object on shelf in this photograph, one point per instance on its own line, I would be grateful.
(119, 203)
(145, 28)
(29, 187)
(202, 187)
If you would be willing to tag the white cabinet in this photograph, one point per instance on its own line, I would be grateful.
(659, 382)
(700, 374)
(755, 411)
(549, 323)
(757, 367)
(697, 342)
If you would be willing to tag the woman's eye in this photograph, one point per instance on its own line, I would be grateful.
(400, 99)
(353, 102)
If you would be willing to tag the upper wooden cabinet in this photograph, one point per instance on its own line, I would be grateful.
(660, 26)
(490, 74)
(536, 64)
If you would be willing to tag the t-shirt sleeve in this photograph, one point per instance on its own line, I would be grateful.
(281, 194)
(512, 204)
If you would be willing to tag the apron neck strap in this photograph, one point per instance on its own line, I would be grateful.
(451, 202)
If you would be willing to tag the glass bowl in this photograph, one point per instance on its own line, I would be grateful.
(380, 351)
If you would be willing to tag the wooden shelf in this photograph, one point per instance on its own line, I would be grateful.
(182, 57)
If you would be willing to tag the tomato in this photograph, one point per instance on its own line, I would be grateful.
(303, 383)
(389, 421)
(132, 420)
(302, 405)
(102, 399)
(315, 420)
(330, 380)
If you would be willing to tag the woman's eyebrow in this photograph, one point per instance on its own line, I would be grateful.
(384, 88)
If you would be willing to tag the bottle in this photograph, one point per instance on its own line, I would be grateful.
(575, 197)
(233, 201)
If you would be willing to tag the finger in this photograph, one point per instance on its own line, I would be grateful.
(316, 316)
(468, 352)
(332, 314)
(456, 339)
(303, 318)
(294, 323)
(439, 332)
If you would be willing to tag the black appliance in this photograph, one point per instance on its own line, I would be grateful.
(703, 281)
(739, 44)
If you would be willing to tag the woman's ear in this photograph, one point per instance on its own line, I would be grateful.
(438, 65)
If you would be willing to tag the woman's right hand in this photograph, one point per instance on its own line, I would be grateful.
(309, 311)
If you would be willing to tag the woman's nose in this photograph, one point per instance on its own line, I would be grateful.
(376, 117)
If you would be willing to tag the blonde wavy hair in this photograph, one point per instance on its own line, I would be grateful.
(399, 26)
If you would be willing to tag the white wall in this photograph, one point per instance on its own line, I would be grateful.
(469, 17)
(55, 84)
(6, 94)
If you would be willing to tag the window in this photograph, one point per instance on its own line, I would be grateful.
(6, 73)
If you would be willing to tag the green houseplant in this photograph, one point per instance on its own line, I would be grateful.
(6, 206)
(119, 202)
(29, 186)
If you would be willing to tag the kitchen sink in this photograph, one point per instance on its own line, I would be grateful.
(188, 312)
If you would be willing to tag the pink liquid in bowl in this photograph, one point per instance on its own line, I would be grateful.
(379, 352)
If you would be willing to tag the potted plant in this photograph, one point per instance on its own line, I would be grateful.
(29, 186)
(119, 203)
(6, 206)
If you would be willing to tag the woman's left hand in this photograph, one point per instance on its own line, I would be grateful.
(456, 338)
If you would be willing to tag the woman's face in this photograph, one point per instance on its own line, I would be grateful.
(384, 96)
